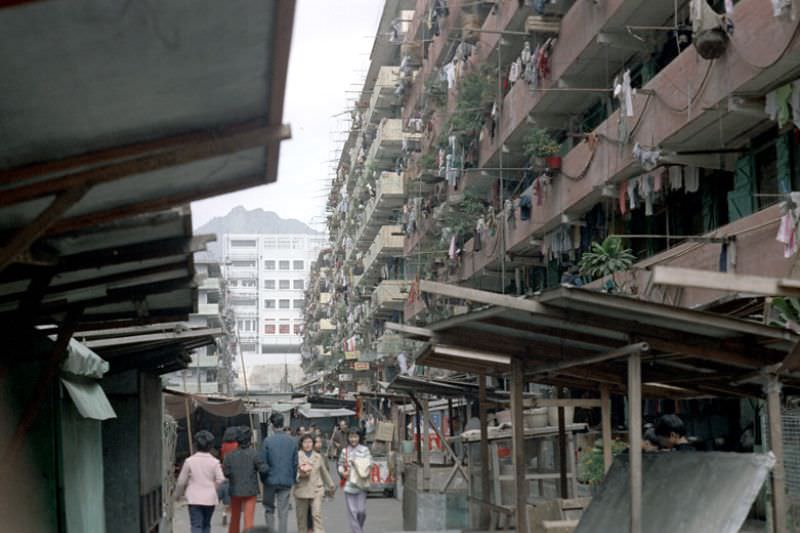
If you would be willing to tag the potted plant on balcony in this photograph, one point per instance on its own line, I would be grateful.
(542, 150)
(606, 259)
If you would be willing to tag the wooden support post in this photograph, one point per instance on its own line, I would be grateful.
(486, 493)
(605, 416)
(418, 425)
(779, 508)
(188, 423)
(450, 417)
(426, 455)
(518, 440)
(562, 451)
(635, 439)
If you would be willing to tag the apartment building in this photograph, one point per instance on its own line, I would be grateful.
(266, 278)
(495, 142)
(211, 368)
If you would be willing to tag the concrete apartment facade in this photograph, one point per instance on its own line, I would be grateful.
(689, 160)
(266, 278)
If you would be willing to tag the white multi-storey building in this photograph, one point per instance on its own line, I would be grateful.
(266, 278)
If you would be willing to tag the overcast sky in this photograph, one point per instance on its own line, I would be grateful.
(329, 56)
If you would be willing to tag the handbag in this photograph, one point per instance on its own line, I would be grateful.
(342, 479)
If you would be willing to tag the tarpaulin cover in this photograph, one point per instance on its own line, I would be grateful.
(89, 397)
(82, 361)
(682, 491)
(175, 406)
(78, 373)
(325, 413)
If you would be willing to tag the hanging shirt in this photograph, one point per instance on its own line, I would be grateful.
(691, 179)
(675, 178)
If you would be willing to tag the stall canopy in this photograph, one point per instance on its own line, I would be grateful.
(309, 412)
(175, 404)
(576, 337)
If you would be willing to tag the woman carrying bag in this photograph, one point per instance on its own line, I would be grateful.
(313, 480)
(355, 464)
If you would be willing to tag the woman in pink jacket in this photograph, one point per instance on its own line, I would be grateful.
(199, 479)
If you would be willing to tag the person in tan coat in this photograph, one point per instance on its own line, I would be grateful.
(313, 480)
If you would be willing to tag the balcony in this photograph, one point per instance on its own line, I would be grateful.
(390, 194)
(324, 298)
(210, 284)
(383, 99)
(388, 297)
(326, 324)
(208, 309)
(388, 143)
(388, 243)
(593, 36)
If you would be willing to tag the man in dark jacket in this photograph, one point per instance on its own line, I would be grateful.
(280, 456)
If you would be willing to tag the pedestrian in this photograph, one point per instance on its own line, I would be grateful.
(338, 442)
(355, 464)
(229, 443)
(318, 442)
(313, 481)
(279, 453)
(200, 476)
(242, 467)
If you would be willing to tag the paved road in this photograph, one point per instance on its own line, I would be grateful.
(383, 515)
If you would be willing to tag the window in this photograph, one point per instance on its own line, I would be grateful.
(283, 265)
(269, 264)
(298, 328)
(299, 284)
(283, 304)
(298, 303)
(269, 304)
(248, 347)
(269, 283)
(242, 263)
(269, 242)
(283, 243)
(269, 327)
(249, 283)
(284, 284)
(298, 264)
(283, 327)
(297, 243)
(239, 300)
(212, 297)
(243, 243)
(211, 375)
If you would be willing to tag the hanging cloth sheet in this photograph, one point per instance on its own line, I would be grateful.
(788, 227)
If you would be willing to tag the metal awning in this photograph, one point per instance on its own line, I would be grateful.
(112, 109)
(131, 271)
(576, 337)
(309, 412)
(161, 348)
(79, 371)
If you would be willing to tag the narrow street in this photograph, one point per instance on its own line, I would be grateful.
(383, 515)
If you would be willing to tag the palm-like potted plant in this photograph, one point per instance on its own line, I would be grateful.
(606, 259)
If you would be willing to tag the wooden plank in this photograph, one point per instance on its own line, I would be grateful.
(22, 240)
(485, 297)
(599, 358)
(473, 356)
(484, 451)
(252, 136)
(518, 443)
(779, 505)
(792, 360)
(723, 281)
(409, 331)
(605, 422)
(163, 336)
(585, 403)
(635, 437)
